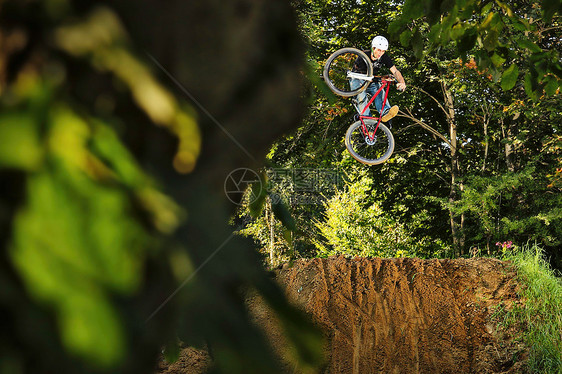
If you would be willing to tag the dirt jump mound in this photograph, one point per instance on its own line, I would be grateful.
(401, 315)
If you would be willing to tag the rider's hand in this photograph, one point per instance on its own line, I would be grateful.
(401, 86)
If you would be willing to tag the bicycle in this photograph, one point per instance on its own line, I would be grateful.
(367, 140)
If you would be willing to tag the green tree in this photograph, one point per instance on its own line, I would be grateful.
(467, 119)
(354, 224)
(500, 31)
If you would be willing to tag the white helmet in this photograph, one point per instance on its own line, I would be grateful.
(380, 42)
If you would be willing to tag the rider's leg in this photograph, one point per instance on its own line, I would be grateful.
(360, 100)
(388, 112)
(379, 100)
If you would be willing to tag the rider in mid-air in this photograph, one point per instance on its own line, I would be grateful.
(379, 58)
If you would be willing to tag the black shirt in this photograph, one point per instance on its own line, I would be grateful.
(384, 60)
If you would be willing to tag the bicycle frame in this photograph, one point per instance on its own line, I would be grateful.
(385, 85)
(367, 140)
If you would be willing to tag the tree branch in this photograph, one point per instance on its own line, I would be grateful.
(408, 114)
(432, 97)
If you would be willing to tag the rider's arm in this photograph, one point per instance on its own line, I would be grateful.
(401, 85)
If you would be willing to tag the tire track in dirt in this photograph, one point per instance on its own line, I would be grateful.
(402, 315)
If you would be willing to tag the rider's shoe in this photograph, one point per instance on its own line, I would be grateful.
(390, 113)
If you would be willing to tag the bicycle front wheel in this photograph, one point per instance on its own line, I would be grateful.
(367, 148)
(339, 64)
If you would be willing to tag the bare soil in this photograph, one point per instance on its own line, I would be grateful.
(395, 316)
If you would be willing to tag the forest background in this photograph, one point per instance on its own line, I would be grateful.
(120, 122)
(477, 164)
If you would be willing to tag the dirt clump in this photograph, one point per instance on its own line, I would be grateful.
(402, 315)
(190, 361)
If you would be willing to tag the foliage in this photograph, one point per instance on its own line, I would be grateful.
(457, 113)
(355, 225)
(459, 133)
(506, 35)
(541, 311)
(297, 193)
(518, 205)
(75, 179)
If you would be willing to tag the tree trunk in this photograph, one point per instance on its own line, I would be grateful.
(508, 148)
(448, 108)
(486, 122)
(457, 222)
(271, 223)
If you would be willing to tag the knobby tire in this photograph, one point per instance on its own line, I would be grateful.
(337, 66)
(369, 151)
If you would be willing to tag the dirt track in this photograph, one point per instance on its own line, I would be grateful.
(398, 315)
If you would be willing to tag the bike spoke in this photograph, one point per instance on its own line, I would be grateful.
(339, 69)
(340, 64)
(367, 147)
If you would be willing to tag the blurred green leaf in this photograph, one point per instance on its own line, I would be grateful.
(315, 77)
(91, 327)
(414, 8)
(395, 26)
(323, 87)
(417, 44)
(86, 257)
(497, 60)
(505, 8)
(488, 20)
(258, 195)
(529, 84)
(288, 236)
(486, 8)
(447, 27)
(550, 7)
(553, 84)
(21, 148)
(509, 77)
(491, 40)
(467, 40)
(447, 6)
(457, 31)
(282, 212)
(432, 10)
(405, 37)
(483, 60)
(466, 8)
(105, 144)
(527, 44)
(519, 24)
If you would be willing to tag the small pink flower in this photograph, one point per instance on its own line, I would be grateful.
(505, 245)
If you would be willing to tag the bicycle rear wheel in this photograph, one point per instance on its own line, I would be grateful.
(339, 64)
(369, 150)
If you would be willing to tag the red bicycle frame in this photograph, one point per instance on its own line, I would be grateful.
(385, 83)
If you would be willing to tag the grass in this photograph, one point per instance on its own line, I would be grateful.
(541, 311)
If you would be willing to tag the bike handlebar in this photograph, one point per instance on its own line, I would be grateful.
(387, 78)
(391, 79)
